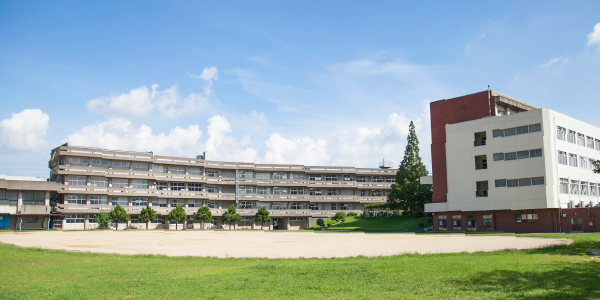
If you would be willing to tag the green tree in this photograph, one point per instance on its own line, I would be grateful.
(340, 215)
(103, 219)
(177, 215)
(231, 215)
(147, 215)
(118, 215)
(407, 192)
(320, 222)
(204, 215)
(596, 166)
(262, 216)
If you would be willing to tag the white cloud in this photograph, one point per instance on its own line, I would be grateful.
(304, 151)
(24, 131)
(169, 102)
(220, 146)
(554, 61)
(594, 37)
(255, 119)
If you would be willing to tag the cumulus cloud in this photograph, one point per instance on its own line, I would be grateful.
(304, 151)
(594, 37)
(168, 102)
(24, 131)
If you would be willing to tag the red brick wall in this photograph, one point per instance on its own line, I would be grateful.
(451, 111)
(586, 214)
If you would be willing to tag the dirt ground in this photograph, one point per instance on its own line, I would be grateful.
(266, 244)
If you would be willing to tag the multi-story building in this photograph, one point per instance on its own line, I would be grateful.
(503, 165)
(87, 180)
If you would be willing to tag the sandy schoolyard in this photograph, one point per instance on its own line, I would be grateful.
(266, 244)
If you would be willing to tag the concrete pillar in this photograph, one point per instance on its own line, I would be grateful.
(253, 223)
(47, 198)
(86, 222)
(287, 223)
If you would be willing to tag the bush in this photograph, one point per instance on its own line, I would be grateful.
(421, 225)
(418, 214)
(166, 225)
(351, 214)
(397, 212)
(340, 215)
(321, 223)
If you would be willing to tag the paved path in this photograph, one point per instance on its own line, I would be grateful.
(266, 244)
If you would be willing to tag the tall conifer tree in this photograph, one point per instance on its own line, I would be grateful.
(407, 193)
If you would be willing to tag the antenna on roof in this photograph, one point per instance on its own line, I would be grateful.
(489, 102)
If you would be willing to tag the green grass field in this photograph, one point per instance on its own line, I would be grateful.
(383, 223)
(561, 272)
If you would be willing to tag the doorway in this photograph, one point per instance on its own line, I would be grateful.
(275, 224)
(576, 224)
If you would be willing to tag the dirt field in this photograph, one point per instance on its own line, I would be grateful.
(266, 244)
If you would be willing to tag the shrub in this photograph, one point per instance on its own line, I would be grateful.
(166, 225)
(421, 225)
(321, 223)
(351, 214)
(418, 214)
(397, 212)
(340, 215)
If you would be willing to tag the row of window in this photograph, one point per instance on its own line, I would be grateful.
(574, 137)
(28, 198)
(134, 219)
(518, 155)
(517, 130)
(577, 187)
(519, 182)
(575, 160)
(471, 223)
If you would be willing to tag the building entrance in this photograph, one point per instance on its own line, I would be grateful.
(275, 224)
(4, 221)
(576, 224)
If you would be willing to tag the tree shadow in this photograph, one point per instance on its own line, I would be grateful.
(579, 246)
(574, 281)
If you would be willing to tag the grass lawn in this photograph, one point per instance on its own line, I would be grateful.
(560, 272)
(384, 223)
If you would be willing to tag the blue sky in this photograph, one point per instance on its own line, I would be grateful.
(314, 83)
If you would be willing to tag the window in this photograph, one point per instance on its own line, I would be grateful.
(590, 142)
(593, 189)
(279, 205)
(77, 180)
(562, 158)
(175, 202)
(584, 191)
(296, 219)
(34, 198)
(194, 203)
(194, 171)
(315, 192)
(159, 220)
(212, 189)
(390, 179)
(487, 222)
(245, 204)
(140, 184)
(263, 176)
(522, 129)
(583, 162)
(512, 182)
(537, 181)
(100, 163)
(523, 154)
(296, 191)
(377, 179)
(361, 179)
(135, 219)
(295, 205)
(313, 206)
(91, 218)
(263, 190)
(376, 193)
(501, 113)
(500, 183)
(121, 165)
(571, 136)
(78, 161)
(98, 181)
(510, 156)
(527, 218)
(8, 197)
(597, 144)
(331, 192)
(279, 190)
(524, 181)
(581, 139)
(99, 200)
(471, 223)
(442, 223)
(140, 166)
(297, 176)
(574, 187)
(333, 206)
(456, 223)
(315, 177)
(121, 201)
(563, 188)
(344, 206)
(572, 160)
(510, 132)
(75, 199)
(246, 190)
(120, 183)
(177, 170)
(279, 175)
(76, 219)
(591, 163)
(245, 174)
(331, 177)
(211, 204)
(561, 132)
(535, 153)
(498, 133)
(212, 173)
(498, 156)
(195, 187)
(159, 202)
(177, 186)
(363, 193)
(159, 169)
(139, 201)
(347, 178)
(161, 185)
